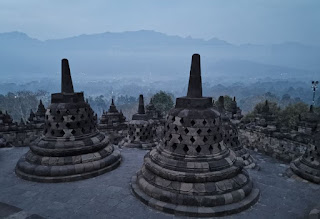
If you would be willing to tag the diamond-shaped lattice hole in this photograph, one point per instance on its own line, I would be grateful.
(78, 124)
(192, 139)
(180, 138)
(209, 131)
(215, 138)
(170, 136)
(181, 121)
(199, 131)
(185, 148)
(62, 132)
(58, 112)
(57, 125)
(83, 130)
(193, 122)
(204, 122)
(214, 121)
(186, 130)
(73, 118)
(168, 126)
(205, 139)
(49, 124)
(82, 116)
(210, 148)
(45, 131)
(52, 132)
(62, 119)
(198, 149)
(173, 119)
(47, 117)
(68, 125)
(73, 131)
(176, 128)
(174, 146)
(78, 110)
(166, 143)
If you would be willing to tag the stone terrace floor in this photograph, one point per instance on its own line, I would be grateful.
(109, 195)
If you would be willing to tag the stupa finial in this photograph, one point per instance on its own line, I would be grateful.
(141, 105)
(311, 109)
(112, 102)
(66, 81)
(195, 84)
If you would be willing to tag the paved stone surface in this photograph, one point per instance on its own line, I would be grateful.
(109, 195)
(12, 212)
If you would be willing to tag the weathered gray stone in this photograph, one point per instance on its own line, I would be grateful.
(192, 172)
(70, 141)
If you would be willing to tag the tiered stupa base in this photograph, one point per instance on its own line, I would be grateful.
(304, 170)
(71, 164)
(202, 194)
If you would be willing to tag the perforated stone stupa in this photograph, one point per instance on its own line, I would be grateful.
(308, 165)
(231, 137)
(71, 147)
(37, 119)
(192, 172)
(141, 129)
(112, 119)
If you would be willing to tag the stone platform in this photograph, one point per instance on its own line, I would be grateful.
(110, 196)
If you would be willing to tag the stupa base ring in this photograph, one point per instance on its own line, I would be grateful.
(112, 161)
(195, 211)
(303, 174)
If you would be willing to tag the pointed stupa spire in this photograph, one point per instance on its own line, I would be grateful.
(195, 85)
(141, 105)
(311, 109)
(234, 98)
(112, 102)
(66, 81)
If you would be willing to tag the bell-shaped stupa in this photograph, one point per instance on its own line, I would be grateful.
(141, 130)
(112, 119)
(37, 119)
(71, 147)
(231, 137)
(308, 165)
(192, 172)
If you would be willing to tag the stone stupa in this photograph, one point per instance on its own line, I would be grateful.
(37, 119)
(192, 172)
(308, 165)
(112, 119)
(71, 147)
(231, 137)
(141, 130)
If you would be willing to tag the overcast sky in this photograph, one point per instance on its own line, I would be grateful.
(236, 21)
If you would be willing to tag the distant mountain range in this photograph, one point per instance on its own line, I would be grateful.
(151, 54)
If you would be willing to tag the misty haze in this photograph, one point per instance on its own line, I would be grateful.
(145, 108)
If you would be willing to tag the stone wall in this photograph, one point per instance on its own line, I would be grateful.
(19, 138)
(272, 144)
